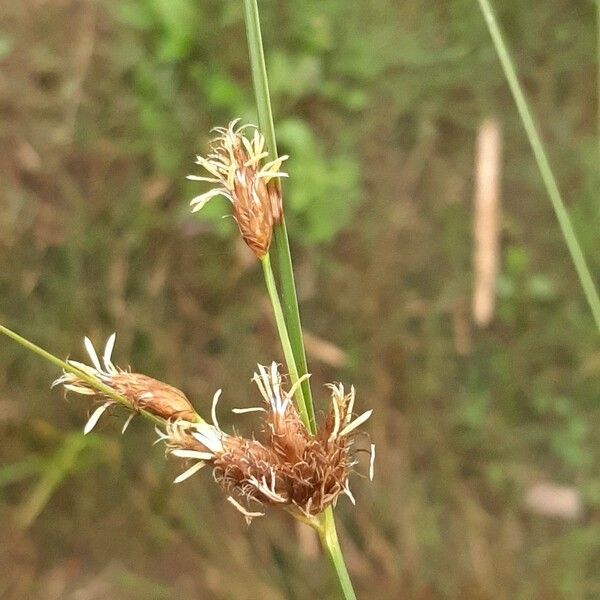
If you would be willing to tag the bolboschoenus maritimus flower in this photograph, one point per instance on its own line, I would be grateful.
(288, 468)
(236, 164)
(141, 392)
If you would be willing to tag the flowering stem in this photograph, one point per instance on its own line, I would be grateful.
(305, 408)
(281, 245)
(288, 314)
(585, 277)
(92, 381)
(331, 544)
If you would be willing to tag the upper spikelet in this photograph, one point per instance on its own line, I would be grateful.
(236, 164)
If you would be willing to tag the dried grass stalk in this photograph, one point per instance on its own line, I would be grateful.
(486, 230)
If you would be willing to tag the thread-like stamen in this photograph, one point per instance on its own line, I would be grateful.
(241, 411)
(189, 472)
(108, 349)
(336, 415)
(356, 423)
(248, 514)
(372, 462)
(127, 422)
(193, 454)
(96, 417)
(92, 353)
(213, 410)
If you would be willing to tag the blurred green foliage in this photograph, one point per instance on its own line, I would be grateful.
(378, 103)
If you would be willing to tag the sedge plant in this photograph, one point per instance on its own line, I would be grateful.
(296, 464)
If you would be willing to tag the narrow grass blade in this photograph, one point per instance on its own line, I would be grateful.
(281, 246)
(585, 277)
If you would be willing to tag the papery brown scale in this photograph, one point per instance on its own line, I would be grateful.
(252, 211)
(310, 482)
(242, 460)
(158, 398)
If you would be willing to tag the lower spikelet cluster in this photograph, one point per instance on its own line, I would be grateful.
(288, 467)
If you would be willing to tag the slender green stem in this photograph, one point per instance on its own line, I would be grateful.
(331, 544)
(290, 314)
(305, 408)
(95, 383)
(283, 258)
(585, 277)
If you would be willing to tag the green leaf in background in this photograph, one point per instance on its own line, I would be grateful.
(323, 189)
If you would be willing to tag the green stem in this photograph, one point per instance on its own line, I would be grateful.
(92, 381)
(289, 314)
(305, 408)
(587, 283)
(283, 258)
(331, 544)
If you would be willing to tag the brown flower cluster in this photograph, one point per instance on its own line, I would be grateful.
(288, 467)
(140, 391)
(236, 164)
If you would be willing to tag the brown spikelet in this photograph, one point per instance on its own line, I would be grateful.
(236, 164)
(160, 399)
(140, 391)
(252, 210)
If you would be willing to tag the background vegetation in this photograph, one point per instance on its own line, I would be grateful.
(102, 107)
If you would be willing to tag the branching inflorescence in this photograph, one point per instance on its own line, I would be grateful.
(288, 467)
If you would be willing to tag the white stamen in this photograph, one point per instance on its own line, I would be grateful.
(126, 425)
(192, 454)
(108, 349)
(336, 414)
(297, 384)
(354, 424)
(263, 487)
(372, 462)
(198, 178)
(161, 435)
(241, 411)
(349, 494)
(208, 438)
(194, 469)
(80, 390)
(280, 405)
(199, 201)
(96, 416)
(350, 404)
(259, 384)
(92, 353)
(268, 175)
(85, 368)
(248, 514)
(213, 410)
